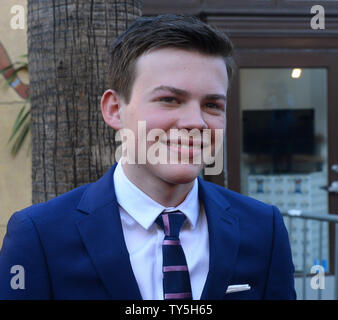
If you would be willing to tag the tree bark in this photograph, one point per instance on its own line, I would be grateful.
(68, 45)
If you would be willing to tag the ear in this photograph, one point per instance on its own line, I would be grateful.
(110, 108)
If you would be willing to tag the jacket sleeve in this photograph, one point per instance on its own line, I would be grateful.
(280, 279)
(23, 269)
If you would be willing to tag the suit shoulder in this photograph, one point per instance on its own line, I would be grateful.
(60, 205)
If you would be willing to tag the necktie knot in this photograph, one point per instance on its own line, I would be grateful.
(171, 222)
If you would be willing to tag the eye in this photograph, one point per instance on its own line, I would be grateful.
(213, 106)
(169, 99)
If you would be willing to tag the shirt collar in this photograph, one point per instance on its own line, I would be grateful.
(144, 209)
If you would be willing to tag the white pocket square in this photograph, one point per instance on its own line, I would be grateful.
(237, 288)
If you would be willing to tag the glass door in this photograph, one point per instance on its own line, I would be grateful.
(284, 150)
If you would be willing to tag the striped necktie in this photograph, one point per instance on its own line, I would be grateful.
(176, 280)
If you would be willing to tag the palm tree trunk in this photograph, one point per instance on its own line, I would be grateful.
(68, 44)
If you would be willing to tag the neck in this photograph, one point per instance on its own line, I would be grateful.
(165, 193)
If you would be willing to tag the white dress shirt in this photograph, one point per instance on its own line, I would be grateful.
(144, 237)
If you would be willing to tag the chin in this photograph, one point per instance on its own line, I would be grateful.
(178, 173)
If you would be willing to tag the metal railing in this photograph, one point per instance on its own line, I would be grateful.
(309, 237)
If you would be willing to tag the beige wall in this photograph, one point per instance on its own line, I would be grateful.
(15, 173)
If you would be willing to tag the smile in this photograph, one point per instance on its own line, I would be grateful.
(196, 146)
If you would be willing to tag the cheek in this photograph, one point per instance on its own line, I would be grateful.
(152, 120)
(160, 120)
(132, 118)
(218, 122)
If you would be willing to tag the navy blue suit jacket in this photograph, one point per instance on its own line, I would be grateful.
(72, 247)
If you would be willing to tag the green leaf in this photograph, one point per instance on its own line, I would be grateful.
(3, 70)
(20, 139)
(9, 80)
(13, 77)
(19, 122)
(18, 118)
(18, 69)
(23, 64)
(21, 126)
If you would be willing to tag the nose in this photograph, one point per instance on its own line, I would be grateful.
(191, 117)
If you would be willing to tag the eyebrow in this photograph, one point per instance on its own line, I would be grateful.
(180, 92)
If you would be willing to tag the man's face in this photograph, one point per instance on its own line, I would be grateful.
(176, 89)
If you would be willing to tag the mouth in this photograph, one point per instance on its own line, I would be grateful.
(184, 146)
(188, 148)
(183, 150)
(187, 145)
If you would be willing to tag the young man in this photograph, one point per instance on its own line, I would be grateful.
(150, 230)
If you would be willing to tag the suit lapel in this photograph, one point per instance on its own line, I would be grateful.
(223, 241)
(101, 232)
